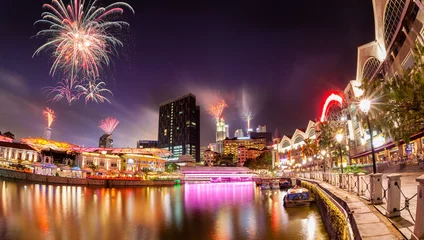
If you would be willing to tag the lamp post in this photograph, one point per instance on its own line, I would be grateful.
(365, 106)
(339, 138)
(323, 152)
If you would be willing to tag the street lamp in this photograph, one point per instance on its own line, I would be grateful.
(365, 106)
(339, 138)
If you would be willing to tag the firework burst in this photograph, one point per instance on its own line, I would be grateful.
(64, 89)
(108, 124)
(217, 109)
(93, 90)
(81, 35)
(50, 116)
(248, 116)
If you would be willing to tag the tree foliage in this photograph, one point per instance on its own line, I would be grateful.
(173, 167)
(263, 161)
(311, 148)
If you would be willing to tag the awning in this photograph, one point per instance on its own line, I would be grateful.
(376, 150)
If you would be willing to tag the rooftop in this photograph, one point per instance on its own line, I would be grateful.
(178, 98)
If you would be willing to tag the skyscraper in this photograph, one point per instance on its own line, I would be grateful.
(179, 126)
(239, 133)
(220, 133)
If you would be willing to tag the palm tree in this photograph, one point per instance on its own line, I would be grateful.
(310, 149)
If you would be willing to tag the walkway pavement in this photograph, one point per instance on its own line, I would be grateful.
(371, 224)
(404, 223)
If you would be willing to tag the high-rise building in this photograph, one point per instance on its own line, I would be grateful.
(48, 133)
(227, 131)
(106, 141)
(261, 128)
(239, 133)
(147, 144)
(266, 135)
(220, 133)
(179, 126)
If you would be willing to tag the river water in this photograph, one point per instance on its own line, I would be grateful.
(196, 211)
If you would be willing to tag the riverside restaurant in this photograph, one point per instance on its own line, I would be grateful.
(55, 158)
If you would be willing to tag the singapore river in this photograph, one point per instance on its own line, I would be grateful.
(196, 211)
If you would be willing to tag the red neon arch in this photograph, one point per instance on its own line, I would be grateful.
(331, 98)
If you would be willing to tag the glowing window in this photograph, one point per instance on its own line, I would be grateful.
(370, 67)
(392, 16)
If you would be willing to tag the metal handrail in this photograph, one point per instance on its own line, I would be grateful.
(406, 207)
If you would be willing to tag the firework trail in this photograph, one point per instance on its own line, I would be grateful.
(217, 109)
(108, 124)
(49, 114)
(64, 89)
(81, 35)
(93, 91)
(248, 116)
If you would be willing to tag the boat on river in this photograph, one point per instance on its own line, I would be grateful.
(265, 186)
(297, 197)
(285, 184)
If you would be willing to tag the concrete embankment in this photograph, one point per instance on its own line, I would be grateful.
(346, 216)
(30, 177)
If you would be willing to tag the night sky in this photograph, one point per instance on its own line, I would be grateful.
(277, 59)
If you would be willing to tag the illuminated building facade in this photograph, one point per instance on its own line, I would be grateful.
(398, 27)
(210, 157)
(109, 161)
(266, 135)
(261, 128)
(239, 133)
(179, 127)
(288, 151)
(230, 146)
(11, 152)
(221, 133)
(147, 144)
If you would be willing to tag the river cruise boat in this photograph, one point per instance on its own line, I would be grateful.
(285, 184)
(297, 197)
(265, 186)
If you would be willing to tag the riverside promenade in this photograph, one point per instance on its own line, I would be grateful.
(406, 221)
(369, 223)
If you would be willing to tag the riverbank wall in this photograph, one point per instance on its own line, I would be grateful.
(345, 215)
(31, 177)
(335, 218)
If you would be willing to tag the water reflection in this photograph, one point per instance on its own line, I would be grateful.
(201, 211)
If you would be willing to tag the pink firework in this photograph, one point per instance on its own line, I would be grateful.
(64, 89)
(49, 114)
(108, 124)
(217, 109)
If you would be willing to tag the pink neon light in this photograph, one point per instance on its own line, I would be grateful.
(332, 97)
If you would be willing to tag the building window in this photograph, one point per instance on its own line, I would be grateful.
(392, 15)
(370, 67)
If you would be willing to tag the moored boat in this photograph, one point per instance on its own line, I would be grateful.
(285, 184)
(297, 197)
(265, 186)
